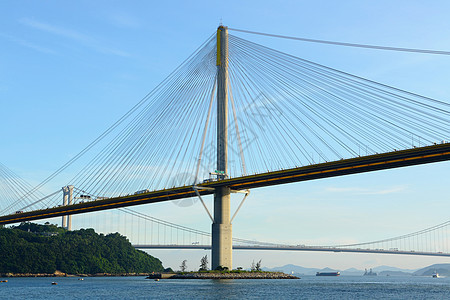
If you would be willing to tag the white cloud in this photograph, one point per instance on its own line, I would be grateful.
(81, 38)
(344, 189)
(56, 30)
(124, 21)
(363, 191)
(28, 44)
(36, 47)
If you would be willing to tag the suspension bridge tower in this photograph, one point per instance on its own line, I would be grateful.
(67, 200)
(221, 227)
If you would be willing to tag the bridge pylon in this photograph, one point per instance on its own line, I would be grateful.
(221, 250)
(67, 200)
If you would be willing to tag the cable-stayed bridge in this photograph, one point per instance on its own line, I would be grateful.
(237, 116)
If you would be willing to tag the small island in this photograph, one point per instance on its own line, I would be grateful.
(33, 250)
(233, 274)
(255, 272)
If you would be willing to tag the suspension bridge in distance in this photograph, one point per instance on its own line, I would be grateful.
(298, 248)
(274, 112)
(433, 241)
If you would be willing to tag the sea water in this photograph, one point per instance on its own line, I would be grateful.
(308, 287)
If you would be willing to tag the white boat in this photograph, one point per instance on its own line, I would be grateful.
(435, 275)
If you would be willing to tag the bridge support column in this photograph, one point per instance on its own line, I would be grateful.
(221, 227)
(67, 200)
(222, 237)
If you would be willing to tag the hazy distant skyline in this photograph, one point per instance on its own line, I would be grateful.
(71, 69)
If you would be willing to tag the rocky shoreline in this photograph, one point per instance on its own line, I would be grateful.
(61, 274)
(188, 275)
(223, 275)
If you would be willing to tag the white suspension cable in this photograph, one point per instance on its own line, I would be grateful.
(205, 130)
(241, 151)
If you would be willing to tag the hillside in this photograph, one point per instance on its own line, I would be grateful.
(441, 269)
(33, 248)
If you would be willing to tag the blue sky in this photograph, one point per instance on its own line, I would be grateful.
(68, 70)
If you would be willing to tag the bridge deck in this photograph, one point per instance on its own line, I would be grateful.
(396, 159)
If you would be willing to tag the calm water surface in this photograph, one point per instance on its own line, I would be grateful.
(309, 287)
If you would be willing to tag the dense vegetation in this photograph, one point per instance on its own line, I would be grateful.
(33, 248)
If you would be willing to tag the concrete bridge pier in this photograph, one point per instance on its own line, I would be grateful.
(222, 230)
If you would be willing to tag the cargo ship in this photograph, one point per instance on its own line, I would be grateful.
(370, 273)
(328, 273)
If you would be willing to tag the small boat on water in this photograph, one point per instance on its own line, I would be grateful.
(54, 283)
(435, 275)
(4, 281)
(80, 278)
(156, 279)
(328, 274)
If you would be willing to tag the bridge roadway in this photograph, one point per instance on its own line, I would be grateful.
(296, 248)
(395, 159)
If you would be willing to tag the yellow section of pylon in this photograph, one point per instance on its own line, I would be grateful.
(219, 29)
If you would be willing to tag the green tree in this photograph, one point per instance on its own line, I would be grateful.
(204, 263)
(253, 266)
(258, 265)
(29, 248)
(183, 266)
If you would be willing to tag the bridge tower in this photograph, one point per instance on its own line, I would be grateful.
(67, 200)
(221, 227)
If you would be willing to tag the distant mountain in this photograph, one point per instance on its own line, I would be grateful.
(380, 269)
(352, 272)
(441, 269)
(394, 273)
(293, 268)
